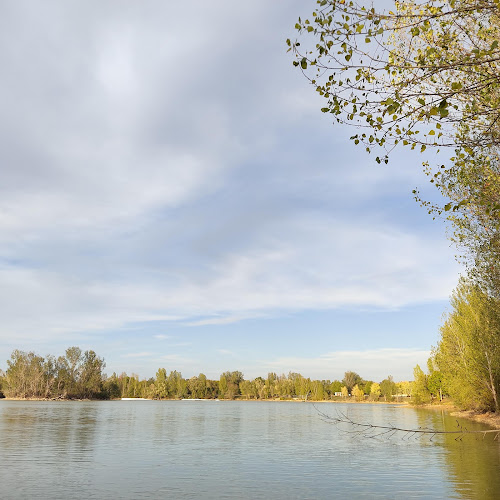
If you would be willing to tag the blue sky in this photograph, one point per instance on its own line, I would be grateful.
(172, 196)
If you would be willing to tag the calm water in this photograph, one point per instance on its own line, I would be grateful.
(209, 449)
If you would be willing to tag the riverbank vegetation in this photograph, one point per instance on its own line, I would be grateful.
(79, 375)
(465, 364)
(426, 75)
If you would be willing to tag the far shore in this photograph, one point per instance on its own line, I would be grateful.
(342, 401)
(488, 418)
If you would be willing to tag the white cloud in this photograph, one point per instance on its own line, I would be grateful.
(179, 175)
(313, 263)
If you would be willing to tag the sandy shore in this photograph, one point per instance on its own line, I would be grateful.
(492, 419)
(488, 418)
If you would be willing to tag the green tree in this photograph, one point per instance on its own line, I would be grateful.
(351, 379)
(111, 387)
(270, 383)
(248, 389)
(223, 386)
(388, 388)
(91, 375)
(367, 387)
(317, 390)
(435, 380)
(177, 387)
(420, 393)
(468, 354)
(160, 384)
(260, 386)
(25, 376)
(230, 387)
(335, 386)
(197, 386)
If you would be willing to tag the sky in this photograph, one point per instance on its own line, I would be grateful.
(172, 196)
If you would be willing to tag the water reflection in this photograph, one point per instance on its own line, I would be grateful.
(154, 449)
(473, 461)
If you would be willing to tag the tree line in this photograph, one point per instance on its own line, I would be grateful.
(426, 75)
(79, 375)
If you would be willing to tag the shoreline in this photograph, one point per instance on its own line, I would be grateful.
(488, 418)
(397, 403)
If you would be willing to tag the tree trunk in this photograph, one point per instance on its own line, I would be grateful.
(492, 382)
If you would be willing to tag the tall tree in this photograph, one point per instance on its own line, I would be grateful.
(25, 376)
(91, 375)
(468, 354)
(388, 388)
(160, 384)
(350, 380)
(420, 392)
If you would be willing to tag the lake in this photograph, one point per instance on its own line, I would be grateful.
(235, 450)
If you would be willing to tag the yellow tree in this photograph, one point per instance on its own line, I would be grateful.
(375, 391)
(358, 393)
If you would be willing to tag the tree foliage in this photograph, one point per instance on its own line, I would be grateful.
(375, 391)
(388, 388)
(79, 374)
(75, 375)
(350, 380)
(420, 393)
(407, 75)
(426, 74)
(468, 354)
(358, 393)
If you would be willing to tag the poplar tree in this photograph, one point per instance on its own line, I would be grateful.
(468, 353)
